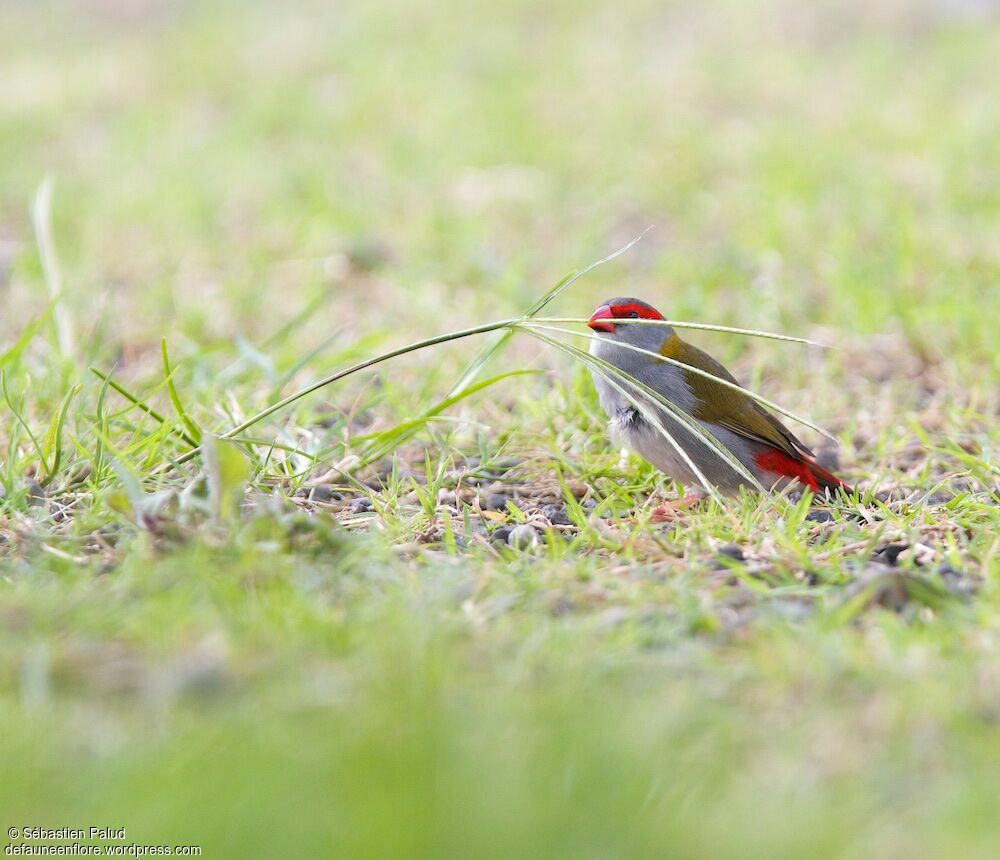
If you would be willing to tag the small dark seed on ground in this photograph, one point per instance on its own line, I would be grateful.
(810, 577)
(889, 554)
(733, 551)
(556, 514)
(36, 493)
(819, 516)
(502, 533)
(496, 502)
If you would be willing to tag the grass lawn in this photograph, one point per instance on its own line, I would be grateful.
(386, 623)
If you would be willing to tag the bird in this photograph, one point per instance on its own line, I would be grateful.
(756, 438)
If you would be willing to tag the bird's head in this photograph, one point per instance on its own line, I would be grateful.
(612, 320)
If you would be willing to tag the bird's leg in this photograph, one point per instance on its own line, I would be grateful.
(668, 511)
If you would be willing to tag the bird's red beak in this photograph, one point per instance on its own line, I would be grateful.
(599, 319)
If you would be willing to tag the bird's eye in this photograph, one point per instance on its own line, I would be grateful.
(633, 315)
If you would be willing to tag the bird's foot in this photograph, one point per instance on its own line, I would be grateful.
(669, 511)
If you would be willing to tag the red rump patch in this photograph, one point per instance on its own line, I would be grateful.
(644, 311)
(811, 474)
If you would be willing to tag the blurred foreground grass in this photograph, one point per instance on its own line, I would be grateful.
(366, 669)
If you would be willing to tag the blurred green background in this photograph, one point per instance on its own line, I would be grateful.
(381, 171)
(833, 162)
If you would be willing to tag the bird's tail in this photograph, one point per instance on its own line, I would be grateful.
(803, 468)
(823, 479)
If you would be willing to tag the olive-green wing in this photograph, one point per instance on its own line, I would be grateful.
(733, 409)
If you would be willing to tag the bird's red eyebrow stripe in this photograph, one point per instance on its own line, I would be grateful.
(644, 312)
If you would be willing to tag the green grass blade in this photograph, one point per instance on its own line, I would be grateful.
(763, 401)
(140, 404)
(304, 360)
(193, 429)
(16, 412)
(479, 362)
(464, 381)
(725, 329)
(488, 352)
(573, 277)
(393, 437)
(342, 374)
(227, 472)
(56, 433)
(101, 428)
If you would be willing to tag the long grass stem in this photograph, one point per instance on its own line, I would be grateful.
(340, 374)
